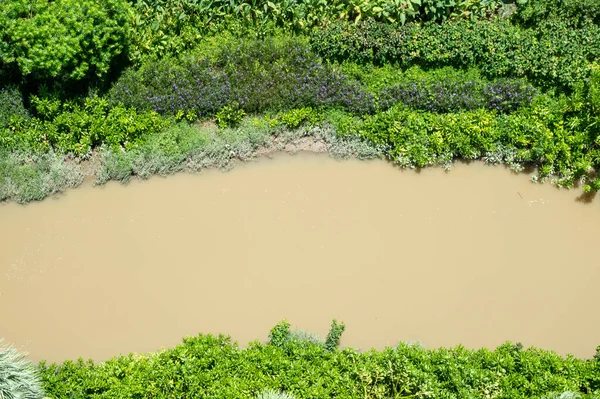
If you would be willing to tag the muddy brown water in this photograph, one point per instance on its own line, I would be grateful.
(476, 256)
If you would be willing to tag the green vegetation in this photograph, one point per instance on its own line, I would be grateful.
(18, 377)
(122, 88)
(63, 39)
(290, 365)
(551, 55)
(133, 88)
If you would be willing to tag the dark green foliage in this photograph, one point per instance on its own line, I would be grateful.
(209, 366)
(279, 334)
(63, 39)
(11, 105)
(171, 27)
(335, 333)
(272, 74)
(576, 12)
(551, 55)
(505, 95)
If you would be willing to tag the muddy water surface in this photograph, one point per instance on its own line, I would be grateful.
(476, 256)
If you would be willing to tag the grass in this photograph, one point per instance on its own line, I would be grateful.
(193, 148)
(26, 177)
(183, 147)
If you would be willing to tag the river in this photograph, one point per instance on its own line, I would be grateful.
(476, 256)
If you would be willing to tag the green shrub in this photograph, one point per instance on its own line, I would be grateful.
(278, 73)
(215, 367)
(11, 105)
(76, 127)
(169, 28)
(296, 117)
(576, 12)
(280, 333)
(18, 377)
(335, 333)
(64, 39)
(229, 116)
(544, 134)
(552, 55)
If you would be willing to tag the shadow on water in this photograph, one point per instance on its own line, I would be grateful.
(586, 198)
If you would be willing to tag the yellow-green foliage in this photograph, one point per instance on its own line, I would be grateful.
(209, 366)
(64, 39)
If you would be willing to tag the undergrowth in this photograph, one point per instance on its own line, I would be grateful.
(292, 364)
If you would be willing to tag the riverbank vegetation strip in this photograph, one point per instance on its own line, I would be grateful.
(124, 88)
(306, 366)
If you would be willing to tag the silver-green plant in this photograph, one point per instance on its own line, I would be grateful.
(570, 395)
(26, 176)
(272, 394)
(305, 336)
(18, 377)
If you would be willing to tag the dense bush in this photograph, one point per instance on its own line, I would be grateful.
(209, 366)
(538, 135)
(551, 55)
(452, 96)
(18, 377)
(257, 75)
(576, 12)
(76, 127)
(170, 27)
(63, 39)
(11, 105)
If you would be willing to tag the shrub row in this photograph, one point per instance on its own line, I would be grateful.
(558, 135)
(543, 135)
(451, 96)
(72, 40)
(576, 12)
(255, 75)
(283, 73)
(165, 27)
(552, 54)
(308, 367)
(66, 41)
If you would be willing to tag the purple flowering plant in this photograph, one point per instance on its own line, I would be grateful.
(504, 96)
(259, 75)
